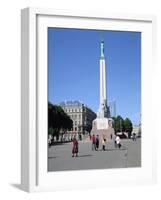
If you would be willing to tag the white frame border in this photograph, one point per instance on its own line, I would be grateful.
(29, 168)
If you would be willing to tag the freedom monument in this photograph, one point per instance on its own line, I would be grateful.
(102, 125)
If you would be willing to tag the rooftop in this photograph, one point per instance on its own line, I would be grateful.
(74, 103)
(71, 103)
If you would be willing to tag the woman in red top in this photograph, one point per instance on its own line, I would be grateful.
(75, 147)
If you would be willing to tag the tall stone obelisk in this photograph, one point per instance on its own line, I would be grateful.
(103, 108)
(102, 125)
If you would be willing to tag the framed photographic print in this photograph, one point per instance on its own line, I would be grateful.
(86, 99)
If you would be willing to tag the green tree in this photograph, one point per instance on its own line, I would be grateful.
(128, 126)
(58, 120)
(118, 124)
(121, 125)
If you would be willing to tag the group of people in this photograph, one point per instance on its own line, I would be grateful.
(96, 143)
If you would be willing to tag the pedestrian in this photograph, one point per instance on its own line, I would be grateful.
(118, 141)
(115, 141)
(93, 142)
(97, 142)
(103, 144)
(90, 137)
(50, 140)
(75, 147)
(134, 136)
(80, 136)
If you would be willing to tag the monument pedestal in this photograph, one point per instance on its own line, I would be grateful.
(103, 128)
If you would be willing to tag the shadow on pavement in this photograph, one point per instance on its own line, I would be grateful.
(116, 149)
(51, 157)
(87, 155)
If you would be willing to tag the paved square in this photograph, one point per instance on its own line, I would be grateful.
(60, 156)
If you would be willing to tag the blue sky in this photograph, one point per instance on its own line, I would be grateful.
(73, 68)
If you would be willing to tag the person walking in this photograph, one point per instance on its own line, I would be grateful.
(49, 140)
(103, 143)
(97, 142)
(114, 139)
(93, 142)
(75, 147)
(90, 137)
(118, 141)
(134, 137)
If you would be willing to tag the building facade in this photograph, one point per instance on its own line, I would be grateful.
(137, 130)
(81, 115)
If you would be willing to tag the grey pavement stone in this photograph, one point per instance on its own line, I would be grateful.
(60, 156)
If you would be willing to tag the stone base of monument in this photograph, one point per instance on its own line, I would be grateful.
(103, 128)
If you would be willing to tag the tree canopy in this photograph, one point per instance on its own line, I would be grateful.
(128, 126)
(122, 125)
(58, 119)
(118, 124)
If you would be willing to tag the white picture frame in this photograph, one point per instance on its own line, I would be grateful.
(34, 175)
